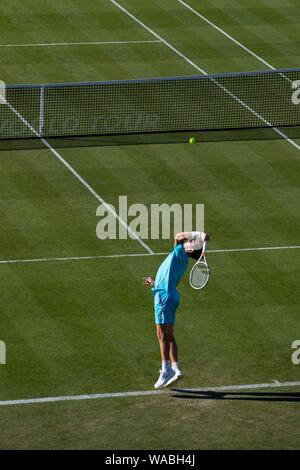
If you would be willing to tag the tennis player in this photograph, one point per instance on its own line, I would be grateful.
(166, 300)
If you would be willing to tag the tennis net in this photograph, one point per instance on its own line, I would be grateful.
(247, 100)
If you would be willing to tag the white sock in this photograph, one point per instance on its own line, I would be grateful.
(175, 366)
(165, 366)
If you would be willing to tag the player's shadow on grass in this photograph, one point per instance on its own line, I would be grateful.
(250, 396)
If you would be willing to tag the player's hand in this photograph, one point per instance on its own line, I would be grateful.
(148, 281)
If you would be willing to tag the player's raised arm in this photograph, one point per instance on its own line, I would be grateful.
(183, 236)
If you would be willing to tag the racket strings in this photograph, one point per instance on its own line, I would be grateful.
(199, 275)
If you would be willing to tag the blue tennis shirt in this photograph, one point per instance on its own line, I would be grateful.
(170, 273)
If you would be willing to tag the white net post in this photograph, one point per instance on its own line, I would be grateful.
(2, 92)
(2, 352)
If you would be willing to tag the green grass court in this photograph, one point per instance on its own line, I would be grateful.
(86, 326)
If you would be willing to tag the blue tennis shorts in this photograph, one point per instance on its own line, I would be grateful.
(165, 309)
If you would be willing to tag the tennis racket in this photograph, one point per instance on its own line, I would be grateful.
(199, 275)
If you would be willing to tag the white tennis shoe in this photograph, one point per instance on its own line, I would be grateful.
(178, 374)
(164, 378)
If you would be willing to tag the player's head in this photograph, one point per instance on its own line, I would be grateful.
(194, 247)
(195, 254)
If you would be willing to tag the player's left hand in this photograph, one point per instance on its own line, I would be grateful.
(148, 281)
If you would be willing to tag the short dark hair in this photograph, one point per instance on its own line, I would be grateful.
(195, 254)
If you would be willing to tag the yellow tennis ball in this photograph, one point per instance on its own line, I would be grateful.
(192, 140)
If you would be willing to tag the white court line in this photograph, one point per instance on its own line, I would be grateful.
(238, 43)
(189, 61)
(94, 396)
(96, 195)
(151, 31)
(90, 43)
(262, 248)
(227, 35)
(128, 255)
(82, 180)
(231, 38)
(77, 258)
